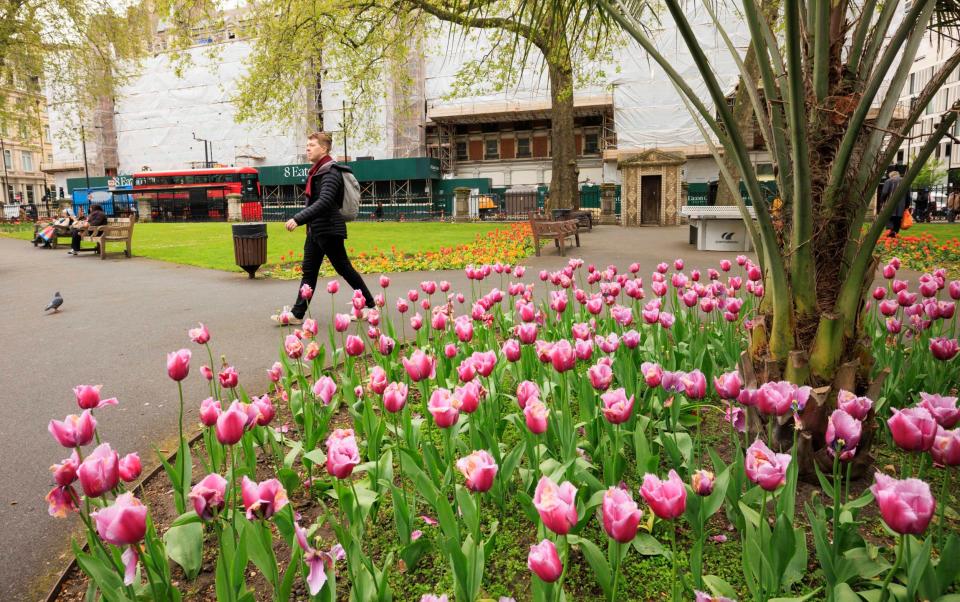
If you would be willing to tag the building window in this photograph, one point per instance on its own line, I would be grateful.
(462, 150)
(10, 195)
(26, 160)
(30, 197)
(523, 147)
(899, 156)
(46, 134)
(7, 159)
(591, 143)
(491, 149)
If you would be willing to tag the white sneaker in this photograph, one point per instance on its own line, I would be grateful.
(71, 252)
(285, 318)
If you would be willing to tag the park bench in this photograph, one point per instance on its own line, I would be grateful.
(718, 228)
(584, 218)
(117, 229)
(559, 231)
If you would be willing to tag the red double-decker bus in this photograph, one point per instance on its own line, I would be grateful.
(198, 194)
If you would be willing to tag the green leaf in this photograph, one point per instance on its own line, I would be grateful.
(917, 567)
(184, 545)
(948, 569)
(648, 545)
(291, 456)
(316, 456)
(106, 577)
(597, 560)
(797, 598)
(412, 553)
(259, 545)
(185, 519)
(845, 593)
(719, 587)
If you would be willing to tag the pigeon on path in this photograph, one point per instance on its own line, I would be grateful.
(55, 303)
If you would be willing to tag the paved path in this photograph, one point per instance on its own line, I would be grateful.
(119, 319)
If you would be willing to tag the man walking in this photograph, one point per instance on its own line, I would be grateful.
(885, 194)
(326, 228)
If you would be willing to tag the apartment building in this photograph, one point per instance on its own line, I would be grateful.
(25, 141)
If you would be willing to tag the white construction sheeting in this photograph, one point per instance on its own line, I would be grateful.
(158, 113)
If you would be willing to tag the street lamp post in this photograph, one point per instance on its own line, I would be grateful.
(6, 189)
(86, 168)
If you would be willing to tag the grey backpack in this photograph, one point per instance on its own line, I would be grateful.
(351, 194)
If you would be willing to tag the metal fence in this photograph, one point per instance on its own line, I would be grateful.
(935, 207)
(394, 209)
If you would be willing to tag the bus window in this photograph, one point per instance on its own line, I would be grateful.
(202, 179)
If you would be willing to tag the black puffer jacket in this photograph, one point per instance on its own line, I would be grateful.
(322, 213)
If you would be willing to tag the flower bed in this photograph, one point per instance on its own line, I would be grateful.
(589, 445)
(506, 245)
(923, 252)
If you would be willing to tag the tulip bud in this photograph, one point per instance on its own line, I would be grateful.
(178, 364)
(130, 467)
(702, 482)
(544, 561)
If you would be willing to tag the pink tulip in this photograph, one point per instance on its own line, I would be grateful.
(562, 356)
(450, 351)
(208, 496)
(264, 499)
(231, 424)
(780, 398)
(65, 473)
(100, 471)
(444, 408)
(954, 290)
(88, 397)
(879, 293)
(467, 370)
(469, 396)
(325, 388)
(943, 409)
(694, 384)
(617, 407)
(229, 377)
(478, 469)
(306, 292)
(527, 390)
(667, 499)
(857, 407)
(74, 431)
(946, 447)
(275, 372)
(333, 286)
(206, 372)
(354, 345)
(702, 482)
(178, 364)
(652, 374)
(601, 375)
(61, 500)
(889, 272)
(766, 468)
(342, 453)
(293, 346)
(385, 345)
(511, 350)
(527, 333)
(736, 417)
(310, 327)
(484, 362)
(544, 561)
(130, 467)
(728, 385)
(535, 413)
(122, 523)
(843, 434)
(556, 505)
(700, 596)
(630, 339)
(265, 409)
(621, 516)
(200, 335)
(341, 322)
(944, 349)
(395, 397)
(913, 429)
(378, 380)
(905, 505)
(420, 366)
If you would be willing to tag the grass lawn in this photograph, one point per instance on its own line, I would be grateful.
(210, 245)
(942, 231)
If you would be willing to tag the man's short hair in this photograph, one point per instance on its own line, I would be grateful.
(893, 174)
(322, 138)
(96, 207)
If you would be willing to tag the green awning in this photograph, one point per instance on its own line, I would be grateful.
(379, 170)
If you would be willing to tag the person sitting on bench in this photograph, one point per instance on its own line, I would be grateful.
(96, 218)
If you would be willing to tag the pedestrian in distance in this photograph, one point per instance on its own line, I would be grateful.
(326, 227)
(896, 219)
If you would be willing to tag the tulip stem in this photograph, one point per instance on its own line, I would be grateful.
(146, 569)
(885, 589)
(837, 490)
(943, 507)
(403, 489)
(761, 527)
(233, 494)
(673, 569)
(616, 569)
(213, 381)
(181, 459)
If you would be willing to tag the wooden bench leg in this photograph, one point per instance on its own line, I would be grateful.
(577, 237)
(103, 249)
(127, 252)
(561, 242)
(536, 245)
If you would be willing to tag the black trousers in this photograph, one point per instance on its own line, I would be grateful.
(315, 248)
(894, 225)
(75, 241)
